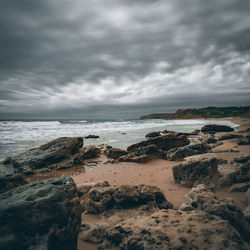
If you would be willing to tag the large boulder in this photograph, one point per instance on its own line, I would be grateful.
(8, 182)
(164, 142)
(43, 215)
(163, 229)
(196, 170)
(214, 128)
(177, 154)
(102, 197)
(199, 198)
(54, 152)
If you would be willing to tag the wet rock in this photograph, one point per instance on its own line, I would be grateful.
(89, 152)
(242, 158)
(242, 174)
(164, 229)
(54, 152)
(199, 198)
(229, 136)
(196, 170)
(164, 142)
(8, 182)
(115, 153)
(43, 215)
(126, 196)
(180, 153)
(153, 134)
(241, 187)
(214, 128)
(92, 137)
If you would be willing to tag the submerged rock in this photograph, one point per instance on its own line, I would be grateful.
(43, 215)
(54, 152)
(92, 137)
(180, 153)
(214, 128)
(196, 170)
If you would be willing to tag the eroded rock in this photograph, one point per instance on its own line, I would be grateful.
(214, 128)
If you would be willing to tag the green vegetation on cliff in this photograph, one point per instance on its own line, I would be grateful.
(209, 112)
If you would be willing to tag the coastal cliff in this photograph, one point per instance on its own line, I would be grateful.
(209, 112)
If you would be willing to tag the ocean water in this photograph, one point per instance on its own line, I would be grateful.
(18, 136)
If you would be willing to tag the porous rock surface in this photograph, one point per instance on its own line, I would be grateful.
(43, 215)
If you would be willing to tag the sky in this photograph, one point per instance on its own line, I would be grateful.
(121, 58)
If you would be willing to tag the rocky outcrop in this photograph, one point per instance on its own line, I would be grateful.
(214, 128)
(242, 174)
(178, 154)
(101, 197)
(43, 215)
(196, 170)
(164, 229)
(153, 134)
(54, 152)
(229, 136)
(115, 153)
(199, 198)
(163, 143)
(89, 152)
(8, 182)
(91, 137)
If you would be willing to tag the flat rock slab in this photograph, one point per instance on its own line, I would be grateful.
(42, 215)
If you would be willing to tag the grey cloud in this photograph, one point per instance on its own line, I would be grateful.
(87, 56)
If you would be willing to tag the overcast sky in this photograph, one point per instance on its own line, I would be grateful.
(122, 58)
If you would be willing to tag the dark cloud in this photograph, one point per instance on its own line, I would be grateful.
(73, 58)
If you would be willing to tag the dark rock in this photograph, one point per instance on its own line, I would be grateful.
(180, 153)
(196, 170)
(89, 152)
(199, 198)
(244, 141)
(91, 137)
(8, 182)
(242, 158)
(115, 153)
(195, 132)
(143, 158)
(241, 187)
(126, 196)
(247, 210)
(48, 154)
(153, 134)
(43, 215)
(214, 128)
(164, 142)
(242, 174)
(229, 136)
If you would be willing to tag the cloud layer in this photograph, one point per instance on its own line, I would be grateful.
(122, 58)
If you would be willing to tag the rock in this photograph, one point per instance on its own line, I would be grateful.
(135, 158)
(164, 142)
(242, 158)
(199, 198)
(241, 187)
(177, 154)
(8, 182)
(196, 170)
(54, 152)
(42, 215)
(195, 132)
(126, 196)
(244, 141)
(92, 137)
(164, 229)
(225, 150)
(214, 128)
(89, 152)
(153, 134)
(242, 174)
(247, 210)
(229, 136)
(115, 153)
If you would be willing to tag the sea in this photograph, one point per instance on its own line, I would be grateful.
(18, 136)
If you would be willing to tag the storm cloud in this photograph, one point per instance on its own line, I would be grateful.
(122, 59)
